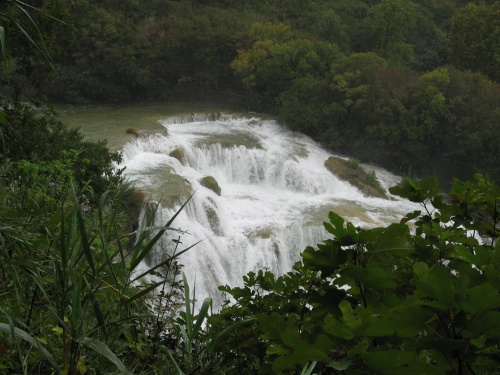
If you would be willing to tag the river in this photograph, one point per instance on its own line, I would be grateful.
(275, 191)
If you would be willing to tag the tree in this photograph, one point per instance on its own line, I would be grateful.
(330, 27)
(475, 39)
(271, 67)
(18, 16)
(305, 107)
(391, 21)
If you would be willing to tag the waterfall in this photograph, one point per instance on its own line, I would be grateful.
(275, 194)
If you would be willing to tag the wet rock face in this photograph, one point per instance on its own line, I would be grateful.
(213, 219)
(354, 174)
(211, 183)
(177, 191)
(179, 155)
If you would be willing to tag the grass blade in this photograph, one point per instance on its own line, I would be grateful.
(143, 292)
(189, 318)
(165, 261)
(84, 238)
(202, 315)
(174, 362)
(211, 345)
(307, 370)
(25, 336)
(102, 349)
(179, 210)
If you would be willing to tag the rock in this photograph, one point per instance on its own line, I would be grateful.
(351, 172)
(211, 183)
(132, 130)
(175, 190)
(179, 155)
(213, 218)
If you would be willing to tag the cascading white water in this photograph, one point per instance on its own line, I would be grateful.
(276, 193)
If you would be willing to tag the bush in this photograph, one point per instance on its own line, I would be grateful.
(35, 135)
(383, 300)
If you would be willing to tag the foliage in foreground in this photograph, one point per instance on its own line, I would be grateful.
(70, 299)
(420, 299)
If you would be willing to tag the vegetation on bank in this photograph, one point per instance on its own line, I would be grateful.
(379, 301)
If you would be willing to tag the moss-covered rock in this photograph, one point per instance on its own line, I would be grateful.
(213, 218)
(350, 171)
(211, 183)
(179, 155)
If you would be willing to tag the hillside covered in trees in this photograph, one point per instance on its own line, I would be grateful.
(412, 86)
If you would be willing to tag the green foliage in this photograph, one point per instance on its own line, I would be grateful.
(353, 163)
(34, 136)
(270, 67)
(69, 289)
(474, 39)
(391, 21)
(11, 13)
(441, 122)
(330, 28)
(384, 300)
(284, 57)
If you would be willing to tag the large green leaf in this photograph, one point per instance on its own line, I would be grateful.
(394, 239)
(487, 323)
(272, 325)
(436, 288)
(303, 351)
(417, 191)
(404, 321)
(336, 328)
(102, 349)
(348, 317)
(326, 259)
(345, 236)
(375, 277)
(395, 362)
(481, 298)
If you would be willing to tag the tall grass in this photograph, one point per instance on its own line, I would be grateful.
(71, 292)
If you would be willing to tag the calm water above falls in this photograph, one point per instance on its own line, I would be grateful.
(276, 193)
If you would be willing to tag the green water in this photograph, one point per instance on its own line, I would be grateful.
(111, 122)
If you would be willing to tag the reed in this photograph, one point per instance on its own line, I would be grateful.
(82, 283)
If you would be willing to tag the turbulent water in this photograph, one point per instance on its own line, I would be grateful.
(275, 194)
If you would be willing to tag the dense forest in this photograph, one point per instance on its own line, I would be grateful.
(412, 86)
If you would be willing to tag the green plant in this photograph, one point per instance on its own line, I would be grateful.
(197, 337)
(84, 301)
(385, 300)
(35, 137)
(9, 19)
(372, 180)
(353, 163)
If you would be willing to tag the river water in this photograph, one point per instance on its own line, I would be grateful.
(275, 190)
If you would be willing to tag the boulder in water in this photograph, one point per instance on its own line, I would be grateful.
(175, 190)
(211, 183)
(351, 172)
(179, 155)
(133, 131)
